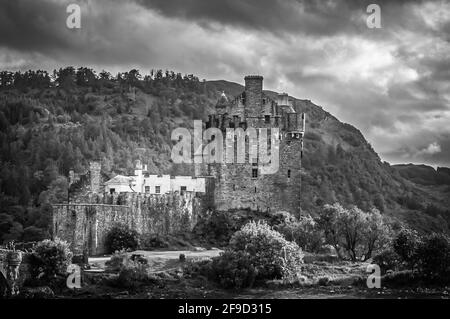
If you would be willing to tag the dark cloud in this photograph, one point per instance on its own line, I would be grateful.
(294, 16)
(33, 25)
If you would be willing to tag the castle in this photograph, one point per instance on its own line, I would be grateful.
(141, 202)
(245, 185)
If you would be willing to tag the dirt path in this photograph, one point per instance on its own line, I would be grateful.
(160, 260)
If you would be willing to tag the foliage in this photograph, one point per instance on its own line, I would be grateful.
(121, 237)
(405, 244)
(359, 234)
(117, 260)
(233, 269)
(270, 253)
(304, 231)
(49, 259)
(388, 259)
(433, 254)
(133, 273)
(256, 252)
(218, 228)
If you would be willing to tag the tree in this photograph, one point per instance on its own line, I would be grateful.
(405, 244)
(351, 223)
(356, 232)
(328, 222)
(85, 76)
(376, 234)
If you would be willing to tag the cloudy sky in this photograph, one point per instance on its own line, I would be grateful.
(393, 83)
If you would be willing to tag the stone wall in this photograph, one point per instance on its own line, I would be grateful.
(236, 188)
(85, 226)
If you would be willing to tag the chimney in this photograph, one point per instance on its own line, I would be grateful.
(283, 99)
(94, 170)
(253, 94)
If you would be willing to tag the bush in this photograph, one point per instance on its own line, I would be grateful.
(434, 256)
(121, 237)
(270, 253)
(387, 260)
(133, 275)
(118, 259)
(132, 272)
(256, 252)
(405, 244)
(49, 259)
(151, 241)
(233, 270)
(217, 228)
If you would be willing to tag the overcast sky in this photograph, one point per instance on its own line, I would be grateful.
(392, 83)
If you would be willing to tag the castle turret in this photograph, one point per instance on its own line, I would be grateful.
(253, 94)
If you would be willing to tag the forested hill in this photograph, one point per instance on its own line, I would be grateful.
(53, 123)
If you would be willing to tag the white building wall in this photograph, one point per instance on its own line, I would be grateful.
(154, 180)
(191, 184)
(166, 183)
(118, 188)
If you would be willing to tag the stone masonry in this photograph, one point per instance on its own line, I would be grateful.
(237, 186)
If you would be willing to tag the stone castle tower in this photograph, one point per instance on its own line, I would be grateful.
(247, 185)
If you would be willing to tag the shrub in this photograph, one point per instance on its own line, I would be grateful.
(270, 253)
(387, 260)
(49, 259)
(434, 256)
(405, 244)
(121, 237)
(233, 269)
(118, 259)
(217, 228)
(151, 241)
(133, 274)
(256, 252)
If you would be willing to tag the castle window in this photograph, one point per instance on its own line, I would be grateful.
(255, 189)
(267, 119)
(183, 188)
(235, 118)
(112, 190)
(158, 189)
(234, 187)
(147, 189)
(254, 172)
(289, 173)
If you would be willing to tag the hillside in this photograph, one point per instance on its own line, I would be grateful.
(423, 174)
(50, 125)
